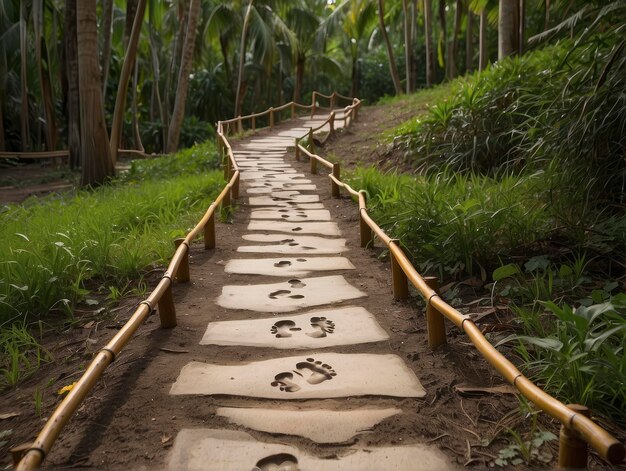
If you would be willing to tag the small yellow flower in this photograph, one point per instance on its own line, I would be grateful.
(66, 389)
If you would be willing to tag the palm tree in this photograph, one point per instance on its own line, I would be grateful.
(507, 28)
(242, 59)
(428, 42)
(178, 113)
(95, 151)
(390, 56)
(127, 67)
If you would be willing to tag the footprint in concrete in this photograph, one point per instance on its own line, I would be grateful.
(281, 293)
(282, 264)
(296, 229)
(279, 462)
(295, 283)
(306, 373)
(322, 327)
(287, 241)
(284, 329)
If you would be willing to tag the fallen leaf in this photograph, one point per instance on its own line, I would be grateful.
(165, 439)
(466, 390)
(9, 415)
(66, 389)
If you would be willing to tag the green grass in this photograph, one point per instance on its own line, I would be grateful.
(53, 246)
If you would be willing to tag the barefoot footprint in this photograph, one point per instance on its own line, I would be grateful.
(283, 329)
(306, 373)
(322, 327)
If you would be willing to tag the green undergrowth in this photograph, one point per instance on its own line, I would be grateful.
(57, 248)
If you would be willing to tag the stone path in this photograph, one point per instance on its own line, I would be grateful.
(290, 245)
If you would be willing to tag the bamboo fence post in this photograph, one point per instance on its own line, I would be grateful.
(167, 310)
(313, 104)
(573, 449)
(434, 319)
(226, 200)
(235, 189)
(209, 232)
(293, 110)
(332, 100)
(311, 144)
(331, 123)
(182, 274)
(253, 119)
(398, 277)
(334, 186)
(366, 231)
(226, 163)
(313, 161)
(239, 124)
(297, 149)
(271, 117)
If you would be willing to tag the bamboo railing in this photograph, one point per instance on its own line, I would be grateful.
(30, 456)
(577, 429)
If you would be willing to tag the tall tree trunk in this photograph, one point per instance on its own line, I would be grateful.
(97, 164)
(157, 84)
(444, 33)
(227, 69)
(2, 143)
(521, 40)
(43, 67)
(454, 41)
(135, 111)
(428, 32)
(73, 94)
(546, 21)
(407, 46)
(183, 77)
(393, 69)
(297, 89)
(24, 127)
(507, 28)
(122, 87)
(482, 40)
(105, 64)
(242, 59)
(354, 88)
(469, 41)
(129, 21)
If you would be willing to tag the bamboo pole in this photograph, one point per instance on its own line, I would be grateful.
(334, 186)
(313, 161)
(182, 274)
(209, 231)
(167, 310)
(398, 277)
(297, 146)
(573, 449)
(434, 319)
(271, 117)
(331, 123)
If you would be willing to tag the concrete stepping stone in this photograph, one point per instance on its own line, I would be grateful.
(286, 266)
(313, 330)
(292, 215)
(295, 245)
(290, 195)
(289, 295)
(231, 450)
(279, 186)
(320, 228)
(261, 201)
(275, 176)
(311, 376)
(319, 425)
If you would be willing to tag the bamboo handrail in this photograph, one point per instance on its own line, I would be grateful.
(602, 441)
(161, 296)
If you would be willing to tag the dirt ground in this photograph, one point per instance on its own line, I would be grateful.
(129, 421)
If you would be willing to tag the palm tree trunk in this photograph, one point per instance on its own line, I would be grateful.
(390, 56)
(428, 26)
(444, 33)
(521, 27)
(135, 112)
(122, 87)
(107, 12)
(507, 28)
(546, 22)
(242, 59)
(73, 95)
(297, 89)
(157, 83)
(407, 46)
(183, 77)
(45, 88)
(24, 128)
(482, 40)
(469, 41)
(97, 164)
(454, 42)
